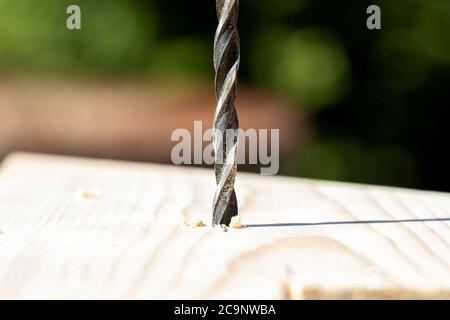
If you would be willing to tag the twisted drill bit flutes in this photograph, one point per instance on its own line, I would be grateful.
(226, 65)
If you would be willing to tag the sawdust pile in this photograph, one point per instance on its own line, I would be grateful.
(194, 222)
(236, 223)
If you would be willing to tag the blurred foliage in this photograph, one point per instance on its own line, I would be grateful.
(115, 36)
(379, 99)
(307, 65)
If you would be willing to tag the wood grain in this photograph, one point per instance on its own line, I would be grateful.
(77, 228)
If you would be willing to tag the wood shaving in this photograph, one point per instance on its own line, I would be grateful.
(236, 223)
(198, 223)
(89, 194)
(195, 222)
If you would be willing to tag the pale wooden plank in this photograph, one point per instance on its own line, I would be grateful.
(77, 228)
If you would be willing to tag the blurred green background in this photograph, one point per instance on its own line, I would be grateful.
(378, 100)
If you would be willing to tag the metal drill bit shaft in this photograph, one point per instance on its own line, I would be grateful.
(226, 65)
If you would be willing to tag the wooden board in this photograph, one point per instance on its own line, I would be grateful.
(76, 228)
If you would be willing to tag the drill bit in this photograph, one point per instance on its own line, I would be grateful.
(226, 65)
